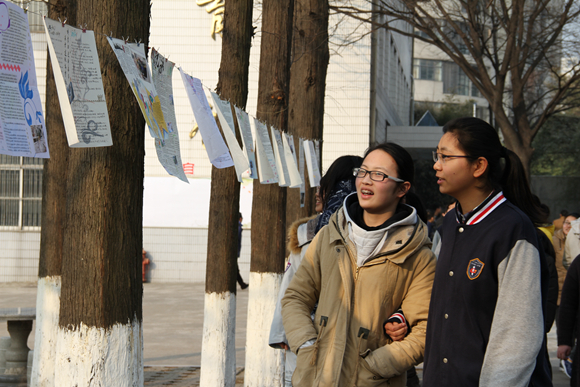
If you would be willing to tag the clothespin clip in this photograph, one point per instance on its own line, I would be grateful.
(138, 43)
(110, 36)
(64, 22)
(85, 28)
(25, 10)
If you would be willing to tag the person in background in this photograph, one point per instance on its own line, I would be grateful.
(486, 316)
(371, 259)
(572, 248)
(335, 185)
(558, 223)
(559, 242)
(568, 321)
(240, 280)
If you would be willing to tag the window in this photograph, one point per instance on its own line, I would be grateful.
(427, 69)
(20, 191)
(456, 82)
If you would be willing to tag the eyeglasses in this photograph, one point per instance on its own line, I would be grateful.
(441, 157)
(374, 175)
(567, 223)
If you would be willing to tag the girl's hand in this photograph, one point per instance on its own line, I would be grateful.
(563, 352)
(396, 331)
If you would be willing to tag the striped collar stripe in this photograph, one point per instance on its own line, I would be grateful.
(487, 209)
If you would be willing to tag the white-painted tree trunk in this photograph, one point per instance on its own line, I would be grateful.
(45, 338)
(264, 365)
(218, 347)
(91, 356)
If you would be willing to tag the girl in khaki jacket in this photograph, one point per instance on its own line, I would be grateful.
(373, 258)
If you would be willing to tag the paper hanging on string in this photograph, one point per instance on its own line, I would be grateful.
(312, 163)
(224, 112)
(291, 164)
(79, 85)
(283, 176)
(167, 148)
(265, 155)
(216, 148)
(247, 140)
(131, 57)
(301, 168)
(22, 126)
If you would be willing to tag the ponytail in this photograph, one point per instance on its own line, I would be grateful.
(505, 170)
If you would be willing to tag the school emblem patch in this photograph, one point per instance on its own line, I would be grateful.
(474, 268)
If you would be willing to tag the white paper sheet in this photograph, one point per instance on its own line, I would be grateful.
(22, 127)
(283, 176)
(291, 164)
(224, 112)
(79, 85)
(216, 148)
(133, 61)
(168, 150)
(266, 160)
(311, 163)
(247, 140)
(301, 168)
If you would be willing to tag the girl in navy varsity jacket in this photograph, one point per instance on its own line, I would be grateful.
(485, 325)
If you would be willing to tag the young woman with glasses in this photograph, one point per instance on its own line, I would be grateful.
(371, 259)
(486, 324)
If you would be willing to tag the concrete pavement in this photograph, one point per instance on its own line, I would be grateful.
(173, 327)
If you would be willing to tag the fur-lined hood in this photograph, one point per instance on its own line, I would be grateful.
(295, 242)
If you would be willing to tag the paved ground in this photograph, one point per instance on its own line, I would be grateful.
(172, 331)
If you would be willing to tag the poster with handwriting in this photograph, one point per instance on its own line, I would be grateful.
(224, 112)
(247, 140)
(266, 159)
(312, 163)
(79, 85)
(290, 155)
(131, 57)
(22, 126)
(168, 150)
(216, 148)
(281, 167)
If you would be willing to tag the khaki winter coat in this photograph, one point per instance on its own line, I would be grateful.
(351, 347)
(559, 242)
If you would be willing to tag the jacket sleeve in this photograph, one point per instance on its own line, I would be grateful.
(569, 306)
(517, 330)
(301, 297)
(397, 357)
(277, 333)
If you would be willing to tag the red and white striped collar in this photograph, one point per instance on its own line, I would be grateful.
(484, 209)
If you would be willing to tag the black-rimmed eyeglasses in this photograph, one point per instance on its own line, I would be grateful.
(374, 175)
(442, 158)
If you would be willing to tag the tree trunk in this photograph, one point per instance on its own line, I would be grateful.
(264, 364)
(100, 338)
(52, 224)
(218, 357)
(307, 87)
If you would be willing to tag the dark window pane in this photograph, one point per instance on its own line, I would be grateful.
(31, 211)
(32, 184)
(32, 161)
(8, 212)
(4, 159)
(9, 184)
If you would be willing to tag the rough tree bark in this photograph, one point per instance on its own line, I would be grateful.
(218, 357)
(52, 223)
(100, 338)
(263, 364)
(307, 87)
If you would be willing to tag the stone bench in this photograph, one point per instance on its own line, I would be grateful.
(19, 322)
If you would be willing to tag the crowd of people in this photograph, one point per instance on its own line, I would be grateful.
(375, 284)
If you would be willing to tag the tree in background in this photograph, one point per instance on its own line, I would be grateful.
(511, 51)
(443, 111)
(310, 56)
(557, 147)
(52, 223)
(263, 364)
(218, 358)
(100, 336)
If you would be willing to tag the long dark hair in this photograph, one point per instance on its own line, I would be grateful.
(504, 171)
(341, 169)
